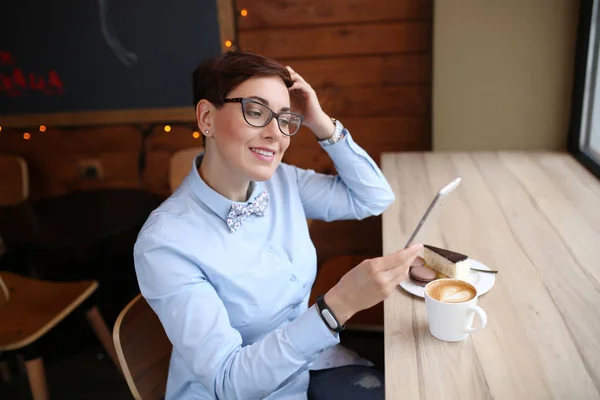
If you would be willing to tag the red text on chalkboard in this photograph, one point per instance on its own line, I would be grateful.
(14, 82)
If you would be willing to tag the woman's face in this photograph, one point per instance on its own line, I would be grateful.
(237, 143)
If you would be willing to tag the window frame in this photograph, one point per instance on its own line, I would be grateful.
(586, 72)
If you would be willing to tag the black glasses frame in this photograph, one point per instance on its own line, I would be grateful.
(243, 101)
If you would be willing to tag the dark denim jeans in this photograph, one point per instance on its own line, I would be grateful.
(352, 382)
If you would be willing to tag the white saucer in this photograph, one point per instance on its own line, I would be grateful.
(482, 281)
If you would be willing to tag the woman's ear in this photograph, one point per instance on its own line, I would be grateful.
(205, 113)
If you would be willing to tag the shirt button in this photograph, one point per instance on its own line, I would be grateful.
(293, 278)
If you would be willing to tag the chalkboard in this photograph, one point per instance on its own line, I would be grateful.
(95, 55)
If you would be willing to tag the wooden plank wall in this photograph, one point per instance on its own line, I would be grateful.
(370, 63)
(55, 157)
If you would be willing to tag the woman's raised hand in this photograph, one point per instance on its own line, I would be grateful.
(305, 101)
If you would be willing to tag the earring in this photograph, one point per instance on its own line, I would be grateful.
(207, 132)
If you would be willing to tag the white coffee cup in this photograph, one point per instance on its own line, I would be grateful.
(451, 305)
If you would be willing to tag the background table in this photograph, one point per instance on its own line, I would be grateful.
(536, 218)
(79, 236)
(77, 217)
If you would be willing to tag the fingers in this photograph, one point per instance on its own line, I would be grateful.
(396, 275)
(292, 72)
(300, 85)
(302, 90)
(400, 258)
(296, 85)
(295, 76)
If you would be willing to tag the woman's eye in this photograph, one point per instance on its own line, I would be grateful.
(254, 113)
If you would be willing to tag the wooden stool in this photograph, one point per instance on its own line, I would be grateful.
(329, 274)
(29, 308)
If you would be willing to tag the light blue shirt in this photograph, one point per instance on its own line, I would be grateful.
(235, 305)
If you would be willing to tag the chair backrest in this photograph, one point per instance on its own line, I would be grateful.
(180, 165)
(2, 247)
(14, 180)
(143, 350)
(4, 293)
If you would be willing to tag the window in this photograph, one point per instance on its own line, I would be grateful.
(584, 134)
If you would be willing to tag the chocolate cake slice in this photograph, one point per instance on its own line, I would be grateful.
(446, 262)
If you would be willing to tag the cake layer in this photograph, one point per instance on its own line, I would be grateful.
(455, 266)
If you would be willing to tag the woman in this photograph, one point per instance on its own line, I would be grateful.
(227, 262)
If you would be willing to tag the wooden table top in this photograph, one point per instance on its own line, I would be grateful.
(536, 218)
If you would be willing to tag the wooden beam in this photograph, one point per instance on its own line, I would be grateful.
(407, 133)
(323, 41)
(380, 70)
(286, 13)
(398, 101)
(90, 140)
(142, 115)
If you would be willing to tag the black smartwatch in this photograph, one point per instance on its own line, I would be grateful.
(327, 316)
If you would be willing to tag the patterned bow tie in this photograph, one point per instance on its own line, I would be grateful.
(239, 212)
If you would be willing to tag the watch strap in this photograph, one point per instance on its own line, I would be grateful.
(327, 315)
(337, 134)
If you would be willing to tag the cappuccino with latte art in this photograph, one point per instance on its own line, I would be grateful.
(451, 291)
(451, 305)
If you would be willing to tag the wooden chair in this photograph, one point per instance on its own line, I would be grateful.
(14, 188)
(14, 180)
(14, 184)
(143, 349)
(29, 308)
(180, 165)
(329, 274)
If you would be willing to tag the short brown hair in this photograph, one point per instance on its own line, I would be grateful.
(216, 77)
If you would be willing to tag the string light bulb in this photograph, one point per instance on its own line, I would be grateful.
(196, 135)
(228, 43)
(0, 129)
(167, 128)
(42, 128)
(244, 13)
(26, 136)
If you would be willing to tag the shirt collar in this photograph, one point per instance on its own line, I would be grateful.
(218, 203)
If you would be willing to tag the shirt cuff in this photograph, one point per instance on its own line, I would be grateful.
(325, 143)
(347, 152)
(309, 334)
(342, 146)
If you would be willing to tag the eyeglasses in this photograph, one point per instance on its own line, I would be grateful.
(258, 115)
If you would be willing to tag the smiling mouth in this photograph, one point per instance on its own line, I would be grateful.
(263, 152)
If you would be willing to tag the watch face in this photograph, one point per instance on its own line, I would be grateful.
(331, 321)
